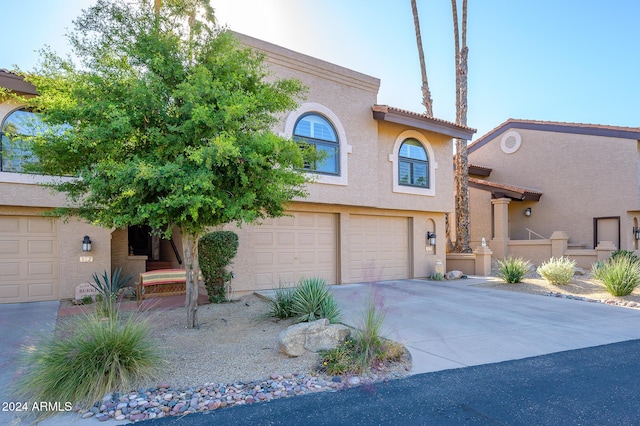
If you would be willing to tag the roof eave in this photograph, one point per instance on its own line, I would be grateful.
(423, 123)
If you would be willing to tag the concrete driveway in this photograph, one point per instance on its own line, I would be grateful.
(452, 324)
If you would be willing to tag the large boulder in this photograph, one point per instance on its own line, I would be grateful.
(313, 336)
(454, 275)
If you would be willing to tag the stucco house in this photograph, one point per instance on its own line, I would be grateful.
(536, 182)
(383, 188)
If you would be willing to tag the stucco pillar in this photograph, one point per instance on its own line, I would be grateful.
(559, 243)
(483, 261)
(500, 241)
(604, 250)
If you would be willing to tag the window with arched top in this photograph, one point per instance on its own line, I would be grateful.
(314, 129)
(413, 164)
(15, 152)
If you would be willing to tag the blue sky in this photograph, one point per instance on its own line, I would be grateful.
(569, 60)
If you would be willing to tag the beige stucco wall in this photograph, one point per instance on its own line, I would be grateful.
(70, 234)
(580, 176)
(422, 258)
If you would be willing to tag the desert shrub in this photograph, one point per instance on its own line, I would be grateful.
(216, 251)
(108, 289)
(437, 276)
(512, 270)
(281, 305)
(366, 348)
(619, 275)
(87, 300)
(625, 253)
(557, 271)
(312, 300)
(87, 359)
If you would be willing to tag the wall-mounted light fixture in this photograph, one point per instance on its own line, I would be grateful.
(636, 233)
(527, 211)
(86, 243)
(431, 238)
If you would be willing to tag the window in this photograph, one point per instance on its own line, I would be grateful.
(15, 152)
(316, 130)
(413, 164)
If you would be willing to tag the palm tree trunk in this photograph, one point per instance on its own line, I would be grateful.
(462, 244)
(426, 94)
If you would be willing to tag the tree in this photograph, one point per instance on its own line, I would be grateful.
(461, 157)
(165, 121)
(426, 93)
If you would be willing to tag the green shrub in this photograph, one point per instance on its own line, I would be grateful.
(557, 271)
(312, 300)
(620, 275)
(512, 270)
(365, 348)
(281, 305)
(215, 252)
(108, 289)
(626, 253)
(339, 360)
(437, 276)
(87, 300)
(89, 358)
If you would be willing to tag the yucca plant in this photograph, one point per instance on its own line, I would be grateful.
(281, 305)
(620, 275)
(512, 270)
(89, 358)
(557, 271)
(312, 300)
(108, 289)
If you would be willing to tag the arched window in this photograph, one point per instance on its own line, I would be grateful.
(413, 164)
(316, 130)
(15, 151)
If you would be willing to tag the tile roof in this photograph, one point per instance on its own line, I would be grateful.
(421, 121)
(504, 190)
(560, 127)
(15, 82)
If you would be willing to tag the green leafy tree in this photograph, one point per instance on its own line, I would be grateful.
(165, 121)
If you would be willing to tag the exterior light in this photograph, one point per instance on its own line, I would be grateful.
(527, 211)
(86, 243)
(636, 233)
(431, 237)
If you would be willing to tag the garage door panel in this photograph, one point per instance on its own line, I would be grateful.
(29, 259)
(303, 245)
(379, 248)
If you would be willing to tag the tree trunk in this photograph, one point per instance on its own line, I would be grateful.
(192, 268)
(426, 93)
(462, 244)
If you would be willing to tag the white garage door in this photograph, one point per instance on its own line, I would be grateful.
(292, 247)
(379, 248)
(28, 259)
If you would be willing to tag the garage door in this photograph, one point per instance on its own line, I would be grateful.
(28, 259)
(289, 248)
(378, 248)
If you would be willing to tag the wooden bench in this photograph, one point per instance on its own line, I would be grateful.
(161, 282)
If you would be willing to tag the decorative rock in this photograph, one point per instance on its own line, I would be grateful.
(353, 381)
(120, 417)
(87, 414)
(453, 275)
(313, 336)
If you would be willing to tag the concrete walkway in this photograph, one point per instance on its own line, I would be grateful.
(453, 324)
(445, 325)
(22, 324)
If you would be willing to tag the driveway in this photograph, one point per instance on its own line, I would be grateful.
(453, 324)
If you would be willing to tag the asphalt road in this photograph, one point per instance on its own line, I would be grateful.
(593, 386)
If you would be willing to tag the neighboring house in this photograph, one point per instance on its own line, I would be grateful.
(530, 179)
(385, 183)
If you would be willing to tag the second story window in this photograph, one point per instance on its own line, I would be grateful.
(413, 164)
(15, 152)
(316, 130)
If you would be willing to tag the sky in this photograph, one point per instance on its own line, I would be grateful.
(568, 60)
